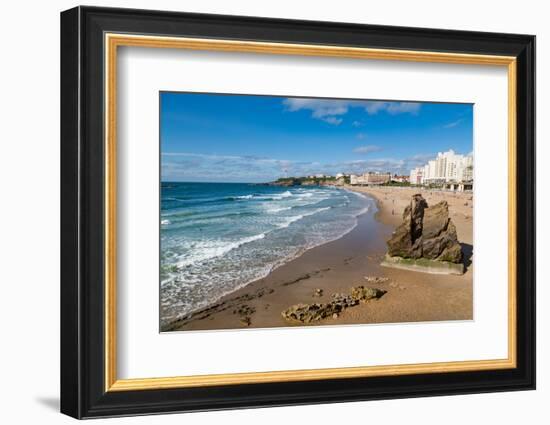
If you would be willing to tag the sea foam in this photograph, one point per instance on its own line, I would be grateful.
(214, 245)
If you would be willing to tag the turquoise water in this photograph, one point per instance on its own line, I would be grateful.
(217, 237)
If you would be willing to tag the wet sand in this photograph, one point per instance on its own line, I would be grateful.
(338, 265)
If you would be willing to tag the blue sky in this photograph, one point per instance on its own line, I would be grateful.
(244, 138)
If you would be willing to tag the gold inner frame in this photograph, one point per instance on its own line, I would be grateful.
(113, 41)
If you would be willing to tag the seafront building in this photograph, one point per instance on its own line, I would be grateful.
(400, 179)
(416, 177)
(448, 170)
(370, 178)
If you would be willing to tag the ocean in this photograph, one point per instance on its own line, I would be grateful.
(218, 237)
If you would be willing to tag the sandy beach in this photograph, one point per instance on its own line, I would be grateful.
(337, 266)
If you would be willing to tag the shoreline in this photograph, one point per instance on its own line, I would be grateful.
(274, 266)
(334, 267)
(259, 287)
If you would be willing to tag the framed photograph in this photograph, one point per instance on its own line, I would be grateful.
(261, 212)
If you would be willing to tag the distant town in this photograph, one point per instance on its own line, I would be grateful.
(448, 170)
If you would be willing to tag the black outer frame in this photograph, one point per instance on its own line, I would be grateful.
(82, 218)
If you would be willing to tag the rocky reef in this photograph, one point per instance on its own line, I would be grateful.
(308, 313)
(426, 240)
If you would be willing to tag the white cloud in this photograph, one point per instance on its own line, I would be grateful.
(183, 166)
(392, 108)
(187, 166)
(373, 108)
(320, 107)
(453, 124)
(403, 108)
(200, 155)
(330, 110)
(367, 149)
(333, 120)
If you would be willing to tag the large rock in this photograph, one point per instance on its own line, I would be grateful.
(426, 232)
(406, 241)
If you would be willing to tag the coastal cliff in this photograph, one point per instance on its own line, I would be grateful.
(308, 181)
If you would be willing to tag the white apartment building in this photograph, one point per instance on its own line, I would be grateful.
(445, 168)
(466, 170)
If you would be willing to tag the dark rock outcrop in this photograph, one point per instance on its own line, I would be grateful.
(426, 232)
(308, 313)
